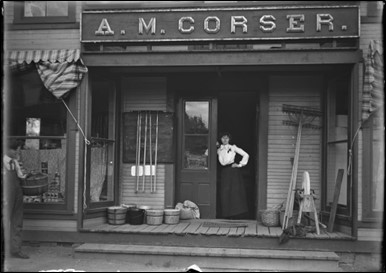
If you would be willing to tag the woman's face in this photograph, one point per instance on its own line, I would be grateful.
(225, 140)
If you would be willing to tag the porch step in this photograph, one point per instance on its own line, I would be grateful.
(212, 259)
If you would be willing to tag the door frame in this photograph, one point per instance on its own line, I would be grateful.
(212, 148)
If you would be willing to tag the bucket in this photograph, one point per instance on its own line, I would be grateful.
(136, 216)
(172, 216)
(145, 208)
(154, 217)
(116, 215)
(128, 206)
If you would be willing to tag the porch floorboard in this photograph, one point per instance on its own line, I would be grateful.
(217, 227)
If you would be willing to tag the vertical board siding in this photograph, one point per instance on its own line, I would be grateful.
(300, 91)
(142, 94)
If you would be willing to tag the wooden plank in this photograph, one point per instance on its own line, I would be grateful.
(212, 231)
(147, 229)
(275, 231)
(232, 232)
(202, 230)
(159, 229)
(180, 229)
(334, 206)
(262, 230)
(250, 230)
(223, 231)
(191, 229)
(240, 231)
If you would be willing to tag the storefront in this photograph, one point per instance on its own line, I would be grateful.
(163, 83)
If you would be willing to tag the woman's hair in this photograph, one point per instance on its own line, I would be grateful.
(226, 134)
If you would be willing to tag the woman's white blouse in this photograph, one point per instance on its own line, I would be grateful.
(227, 153)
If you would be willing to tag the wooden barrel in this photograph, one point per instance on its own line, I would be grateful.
(116, 215)
(154, 217)
(172, 216)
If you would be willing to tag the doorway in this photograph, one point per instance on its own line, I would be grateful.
(237, 115)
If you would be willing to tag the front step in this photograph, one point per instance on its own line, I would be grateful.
(212, 258)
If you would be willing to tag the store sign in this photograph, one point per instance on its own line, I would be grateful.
(206, 24)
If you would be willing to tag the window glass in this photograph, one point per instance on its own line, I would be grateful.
(196, 138)
(45, 8)
(39, 120)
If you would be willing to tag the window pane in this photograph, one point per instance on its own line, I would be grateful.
(57, 8)
(35, 111)
(196, 117)
(101, 172)
(196, 152)
(51, 162)
(103, 115)
(35, 8)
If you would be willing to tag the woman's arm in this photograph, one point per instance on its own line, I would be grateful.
(244, 160)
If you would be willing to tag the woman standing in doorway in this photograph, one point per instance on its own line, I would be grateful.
(233, 197)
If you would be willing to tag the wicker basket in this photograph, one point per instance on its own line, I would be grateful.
(34, 190)
(270, 218)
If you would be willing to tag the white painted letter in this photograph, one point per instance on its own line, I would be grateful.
(293, 24)
(239, 21)
(104, 29)
(267, 24)
(151, 26)
(324, 19)
(206, 24)
(181, 25)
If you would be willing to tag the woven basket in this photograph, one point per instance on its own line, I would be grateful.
(34, 190)
(270, 218)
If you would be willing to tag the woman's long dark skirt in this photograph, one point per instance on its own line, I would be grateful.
(233, 193)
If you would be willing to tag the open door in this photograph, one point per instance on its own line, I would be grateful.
(197, 155)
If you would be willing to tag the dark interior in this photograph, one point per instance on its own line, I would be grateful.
(237, 115)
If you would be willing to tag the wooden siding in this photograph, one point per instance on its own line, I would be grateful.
(49, 225)
(301, 91)
(128, 186)
(144, 93)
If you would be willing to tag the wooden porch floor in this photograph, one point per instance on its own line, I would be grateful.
(217, 227)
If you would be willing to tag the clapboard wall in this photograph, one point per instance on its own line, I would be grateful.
(142, 94)
(300, 91)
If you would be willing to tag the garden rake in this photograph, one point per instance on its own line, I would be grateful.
(302, 117)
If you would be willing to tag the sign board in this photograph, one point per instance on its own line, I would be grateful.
(220, 24)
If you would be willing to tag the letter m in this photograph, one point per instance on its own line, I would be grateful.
(148, 27)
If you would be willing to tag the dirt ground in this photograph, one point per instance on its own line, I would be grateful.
(60, 258)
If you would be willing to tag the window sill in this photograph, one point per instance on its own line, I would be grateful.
(33, 26)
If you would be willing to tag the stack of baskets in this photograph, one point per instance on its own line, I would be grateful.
(36, 184)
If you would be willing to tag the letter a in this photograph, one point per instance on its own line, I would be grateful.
(104, 29)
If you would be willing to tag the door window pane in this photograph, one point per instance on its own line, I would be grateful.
(196, 117)
(196, 152)
(196, 134)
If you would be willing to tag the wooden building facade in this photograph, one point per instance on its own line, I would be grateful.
(168, 78)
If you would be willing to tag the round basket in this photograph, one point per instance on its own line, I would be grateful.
(270, 218)
(154, 217)
(37, 179)
(116, 215)
(172, 216)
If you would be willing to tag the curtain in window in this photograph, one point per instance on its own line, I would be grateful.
(373, 95)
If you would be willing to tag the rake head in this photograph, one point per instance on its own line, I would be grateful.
(303, 110)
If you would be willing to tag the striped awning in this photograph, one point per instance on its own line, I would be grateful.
(60, 70)
(373, 84)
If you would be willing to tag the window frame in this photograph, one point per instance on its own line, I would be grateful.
(94, 206)
(66, 207)
(19, 17)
